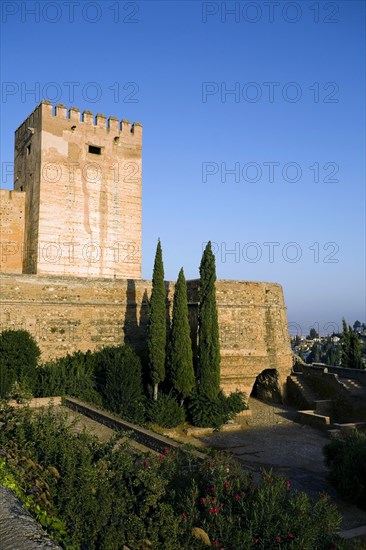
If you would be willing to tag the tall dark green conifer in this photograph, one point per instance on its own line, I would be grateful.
(181, 371)
(208, 369)
(351, 356)
(157, 323)
(345, 359)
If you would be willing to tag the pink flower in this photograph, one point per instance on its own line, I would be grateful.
(214, 510)
(160, 458)
(227, 485)
(202, 500)
(290, 536)
(146, 463)
(216, 543)
(288, 484)
(237, 497)
(278, 539)
(184, 517)
(166, 451)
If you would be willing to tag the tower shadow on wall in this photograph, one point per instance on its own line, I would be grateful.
(135, 322)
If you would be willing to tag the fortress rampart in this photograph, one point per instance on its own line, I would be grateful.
(66, 314)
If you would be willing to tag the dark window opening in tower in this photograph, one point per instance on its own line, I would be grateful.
(95, 150)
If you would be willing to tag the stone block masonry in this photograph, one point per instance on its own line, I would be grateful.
(66, 314)
(12, 215)
(82, 179)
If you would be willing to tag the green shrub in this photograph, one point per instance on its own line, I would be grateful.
(233, 404)
(205, 412)
(166, 412)
(72, 375)
(345, 456)
(119, 380)
(19, 354)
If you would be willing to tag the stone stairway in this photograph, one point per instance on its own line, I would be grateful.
(316, 411)
(306, 391)
(353, 387)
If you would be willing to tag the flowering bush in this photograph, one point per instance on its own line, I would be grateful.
(107, 496)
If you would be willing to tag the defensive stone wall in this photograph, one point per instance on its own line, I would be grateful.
(12, 213)
(67, 314)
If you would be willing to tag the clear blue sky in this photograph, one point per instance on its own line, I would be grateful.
(298, 71)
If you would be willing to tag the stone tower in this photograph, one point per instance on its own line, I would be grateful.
(83, 189)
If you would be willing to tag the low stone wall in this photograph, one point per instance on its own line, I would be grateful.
(37, 402)
(312, 419)
(146, 437)
(352, 374)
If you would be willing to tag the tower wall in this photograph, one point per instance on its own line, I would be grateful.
(82, 177)
(12, 214)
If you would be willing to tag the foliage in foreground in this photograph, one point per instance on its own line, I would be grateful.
(106, 496)
(345, 456)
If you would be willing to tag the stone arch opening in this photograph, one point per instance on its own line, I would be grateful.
(267, 386)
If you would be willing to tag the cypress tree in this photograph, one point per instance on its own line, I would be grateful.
(345, 359)
(208, 369)
(156, 338)
(351, 348)
(180, 347)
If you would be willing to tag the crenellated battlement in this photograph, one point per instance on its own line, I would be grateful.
(74, 115)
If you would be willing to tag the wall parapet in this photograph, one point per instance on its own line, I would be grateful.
(60, 111)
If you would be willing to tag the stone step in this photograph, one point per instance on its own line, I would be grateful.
(323, 406)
